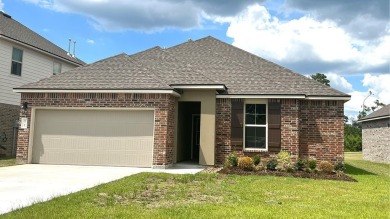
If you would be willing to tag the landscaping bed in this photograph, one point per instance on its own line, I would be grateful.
(297, 174)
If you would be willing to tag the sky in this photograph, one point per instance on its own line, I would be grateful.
(348, 41)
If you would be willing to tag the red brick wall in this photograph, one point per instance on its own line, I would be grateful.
(162, 103)
(322, 130)
(308, 128)
(222, 132)
(290, 126)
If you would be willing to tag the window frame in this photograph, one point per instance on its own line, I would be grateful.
(20, 62)
(60, 64)
(265, 102)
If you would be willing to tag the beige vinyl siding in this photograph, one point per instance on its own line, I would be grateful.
(35, 67)
(93, 137)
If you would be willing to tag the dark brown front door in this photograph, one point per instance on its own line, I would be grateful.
(195, 137)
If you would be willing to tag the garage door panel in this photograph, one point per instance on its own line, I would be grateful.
(116, 138)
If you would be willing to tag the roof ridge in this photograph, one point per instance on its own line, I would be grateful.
(210, 37)
(153, 74)
(195, 70)
(280, 66)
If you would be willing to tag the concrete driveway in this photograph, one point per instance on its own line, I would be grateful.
(24, 185)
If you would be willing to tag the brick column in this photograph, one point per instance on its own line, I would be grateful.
(290, 126)
(223, 129)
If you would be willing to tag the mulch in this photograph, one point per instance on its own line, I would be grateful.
(297, 174)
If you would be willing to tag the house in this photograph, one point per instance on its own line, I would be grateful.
(197, 101)
(376, 135)
(25, 57)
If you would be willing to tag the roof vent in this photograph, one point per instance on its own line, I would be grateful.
(5, 15)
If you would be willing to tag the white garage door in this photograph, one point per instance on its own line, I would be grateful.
(93, 137)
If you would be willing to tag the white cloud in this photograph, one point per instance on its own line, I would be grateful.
(379, 85)
(146, 16)
(90, 41)
(1, 5)
(307, 42)
(339, 82)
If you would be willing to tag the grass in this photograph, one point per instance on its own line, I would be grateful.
(159, 195)
(5, 162)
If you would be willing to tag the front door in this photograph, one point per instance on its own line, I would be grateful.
(195, 137)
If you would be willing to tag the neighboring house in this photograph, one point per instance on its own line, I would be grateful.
(25, 57)
(376, 135)
(197, 101)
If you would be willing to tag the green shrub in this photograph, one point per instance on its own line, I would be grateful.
(256, 159)
(245, 163)
(307, 170)
(339, 167)
(260, 167)
(325, 166)
(271, 164)
(231, 160)
(284, 161)
(291, 169)
(312, 164)
(300, 165)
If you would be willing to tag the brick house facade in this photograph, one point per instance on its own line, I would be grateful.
(209, 99)
(308, 128)
(163, 104)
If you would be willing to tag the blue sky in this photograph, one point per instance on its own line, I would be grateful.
(349, 41)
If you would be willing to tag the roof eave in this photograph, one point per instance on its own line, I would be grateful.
(39, 50)
(373, 118)
(219, 87)
(144, 91)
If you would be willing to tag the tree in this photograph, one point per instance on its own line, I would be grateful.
(321, 78)
(366, 110)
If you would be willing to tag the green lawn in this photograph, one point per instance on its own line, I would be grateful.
(4, 162)
(158, 195)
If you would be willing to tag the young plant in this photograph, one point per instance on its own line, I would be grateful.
(300, 165)
(284, 161)
(312, 164)
(256, 159)
(339, 167)
(325, 166)
(271, 164)
(231, 160)
(245, 163)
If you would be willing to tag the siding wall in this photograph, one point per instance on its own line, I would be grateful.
(35, 67)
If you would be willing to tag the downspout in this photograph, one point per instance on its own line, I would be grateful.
(15, 133)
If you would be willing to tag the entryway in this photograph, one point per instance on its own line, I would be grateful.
(188, 138)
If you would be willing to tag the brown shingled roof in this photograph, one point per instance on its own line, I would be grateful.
(14, 30)
(206, 61)
(381, 113)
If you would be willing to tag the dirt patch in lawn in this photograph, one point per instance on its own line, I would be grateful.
(297, 174)
(155, 192)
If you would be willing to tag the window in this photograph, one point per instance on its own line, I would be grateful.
(255, 131)
(17, 58)
(56, 68)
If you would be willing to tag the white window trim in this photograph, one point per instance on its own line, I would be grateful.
(21, 63)
(262, 101)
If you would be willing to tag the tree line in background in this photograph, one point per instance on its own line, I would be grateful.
(352, 129)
